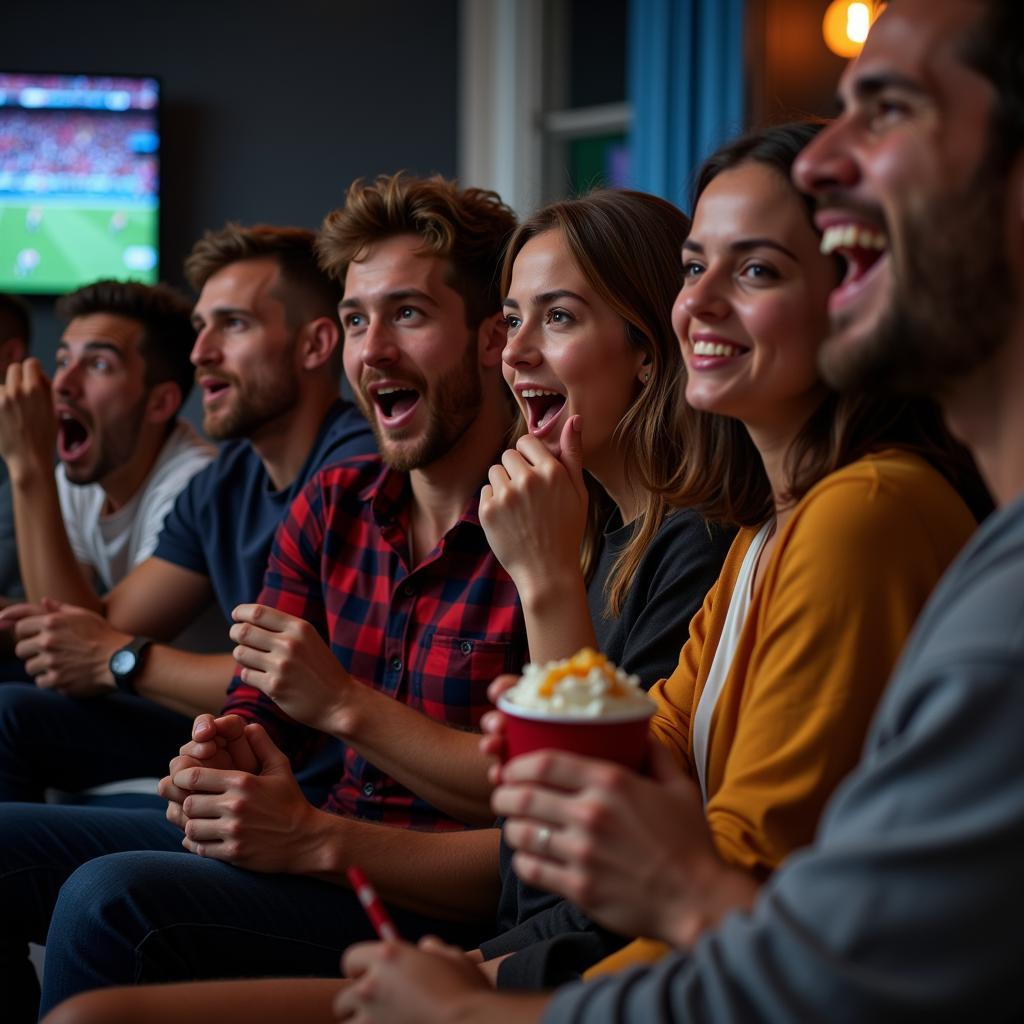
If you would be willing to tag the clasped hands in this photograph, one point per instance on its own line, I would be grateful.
(64, 647)
(232, 792)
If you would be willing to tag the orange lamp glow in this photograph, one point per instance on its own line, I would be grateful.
(845, 26)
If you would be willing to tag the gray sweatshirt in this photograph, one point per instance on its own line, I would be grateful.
(909, 906)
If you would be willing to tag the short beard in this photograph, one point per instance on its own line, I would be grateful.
(262, 401)
(454, 403)
(952, 303)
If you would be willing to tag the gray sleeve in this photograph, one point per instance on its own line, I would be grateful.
(909, 905)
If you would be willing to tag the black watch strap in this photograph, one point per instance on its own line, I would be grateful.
(125, 662)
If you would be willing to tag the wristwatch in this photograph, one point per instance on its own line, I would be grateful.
(125, 662)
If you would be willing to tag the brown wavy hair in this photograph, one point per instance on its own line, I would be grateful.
(721, 472)
(626, 244)
(468, 227)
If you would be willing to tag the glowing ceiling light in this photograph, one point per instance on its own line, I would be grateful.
(845, 26)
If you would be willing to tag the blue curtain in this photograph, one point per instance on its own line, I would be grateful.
(685, 81)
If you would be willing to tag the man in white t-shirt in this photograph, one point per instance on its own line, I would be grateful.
(122, 374)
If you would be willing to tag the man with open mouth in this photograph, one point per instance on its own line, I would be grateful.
(263, 346)
(111, 414)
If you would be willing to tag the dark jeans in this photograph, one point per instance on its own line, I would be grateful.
(49, 740)
(161, 914)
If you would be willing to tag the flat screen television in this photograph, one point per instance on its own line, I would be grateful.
(79, 180)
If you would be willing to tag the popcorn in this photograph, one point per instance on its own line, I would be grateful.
(586, 685)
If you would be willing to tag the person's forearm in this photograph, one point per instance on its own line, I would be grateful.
(49, 567)
(557, 618)
(439, 763)
(191, 684)
(444, 765)
(451, 875)
(252, 1001)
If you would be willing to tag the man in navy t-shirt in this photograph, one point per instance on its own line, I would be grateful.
(267, 358)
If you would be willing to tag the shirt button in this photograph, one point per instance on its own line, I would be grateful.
(396, 664)
(368, 789)
(408, 590)
(466, 646)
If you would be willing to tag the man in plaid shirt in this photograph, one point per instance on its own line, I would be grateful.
(383, 618)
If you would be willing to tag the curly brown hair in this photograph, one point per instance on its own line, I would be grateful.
(468, 227)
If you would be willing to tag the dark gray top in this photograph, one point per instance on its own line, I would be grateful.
(909, 904)
(555, 939)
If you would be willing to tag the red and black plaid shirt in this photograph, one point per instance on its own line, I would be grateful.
(433, 636)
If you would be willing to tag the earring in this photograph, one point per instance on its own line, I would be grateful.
(647, 376)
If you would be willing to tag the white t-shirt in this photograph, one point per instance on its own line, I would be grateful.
(114, 544)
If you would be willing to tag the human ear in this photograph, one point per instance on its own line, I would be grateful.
(645, 367)
(318, 341)
(163, 402)
(491, 337)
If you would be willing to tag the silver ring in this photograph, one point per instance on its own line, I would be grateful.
(543, 840)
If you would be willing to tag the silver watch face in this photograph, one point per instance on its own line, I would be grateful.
(123, 662)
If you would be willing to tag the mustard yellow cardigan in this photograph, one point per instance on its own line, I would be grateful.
(848, 577)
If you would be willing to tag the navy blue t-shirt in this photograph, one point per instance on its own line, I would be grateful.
(223, 523)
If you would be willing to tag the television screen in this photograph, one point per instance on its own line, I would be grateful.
(79, 180)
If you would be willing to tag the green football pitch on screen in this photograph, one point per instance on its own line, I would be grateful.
(50, 248)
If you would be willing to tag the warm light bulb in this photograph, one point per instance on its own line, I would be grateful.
(845, 26)
(858, 21)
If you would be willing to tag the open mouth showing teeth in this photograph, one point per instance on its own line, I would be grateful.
(858, 246)
(542, 406)
(395, 401)
(73, 436)
(717, 348)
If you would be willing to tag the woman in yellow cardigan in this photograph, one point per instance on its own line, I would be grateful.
(849, 515)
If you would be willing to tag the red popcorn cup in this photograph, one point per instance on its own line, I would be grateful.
(619, 737)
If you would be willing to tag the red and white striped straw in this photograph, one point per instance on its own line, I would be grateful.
(379, 918)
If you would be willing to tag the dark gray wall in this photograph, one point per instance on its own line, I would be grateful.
(270, 108)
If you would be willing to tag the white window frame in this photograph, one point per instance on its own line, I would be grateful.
(513, 120)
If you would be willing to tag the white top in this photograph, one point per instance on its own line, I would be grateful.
(114, 544)
(735, 617)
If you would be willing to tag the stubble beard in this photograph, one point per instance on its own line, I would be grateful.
(952, 299)
(453, 403)
(264, 399)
